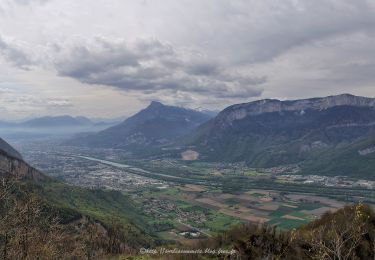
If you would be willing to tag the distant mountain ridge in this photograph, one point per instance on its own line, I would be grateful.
(239, 111)
(58, 121)
(157, 124)
(52, 121)
(52, 126)
(268, 133)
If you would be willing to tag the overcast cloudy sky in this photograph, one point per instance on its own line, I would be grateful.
(108, 58)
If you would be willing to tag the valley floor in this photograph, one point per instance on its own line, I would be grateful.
(185, 201)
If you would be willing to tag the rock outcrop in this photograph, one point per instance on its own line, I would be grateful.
(240, 111)
(14, 167)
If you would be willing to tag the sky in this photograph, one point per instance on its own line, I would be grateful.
(110, 58)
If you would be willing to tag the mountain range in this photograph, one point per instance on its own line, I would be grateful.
(56, 121)
(332, 134)
(157, 124)
(52, 126)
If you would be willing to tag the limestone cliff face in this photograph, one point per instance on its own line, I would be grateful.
(17, 168)
(270, 133)
(240, 111)
(4, 146)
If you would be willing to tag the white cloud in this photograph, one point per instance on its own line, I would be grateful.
(213, 52)
(150, 65)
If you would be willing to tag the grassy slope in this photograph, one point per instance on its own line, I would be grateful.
(344, 160)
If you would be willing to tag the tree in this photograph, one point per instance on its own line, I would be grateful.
(28, 231)
(339, 235)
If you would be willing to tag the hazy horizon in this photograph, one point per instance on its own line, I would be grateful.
(121, 118)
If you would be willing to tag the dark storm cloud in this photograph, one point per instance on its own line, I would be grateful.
(202, 68)
(149, 65)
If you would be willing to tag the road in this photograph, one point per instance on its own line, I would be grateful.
(138, 171)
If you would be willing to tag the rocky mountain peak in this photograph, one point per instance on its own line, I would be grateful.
(155, 104)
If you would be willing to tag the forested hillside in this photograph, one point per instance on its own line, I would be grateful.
(348, 233)
(41, 218)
